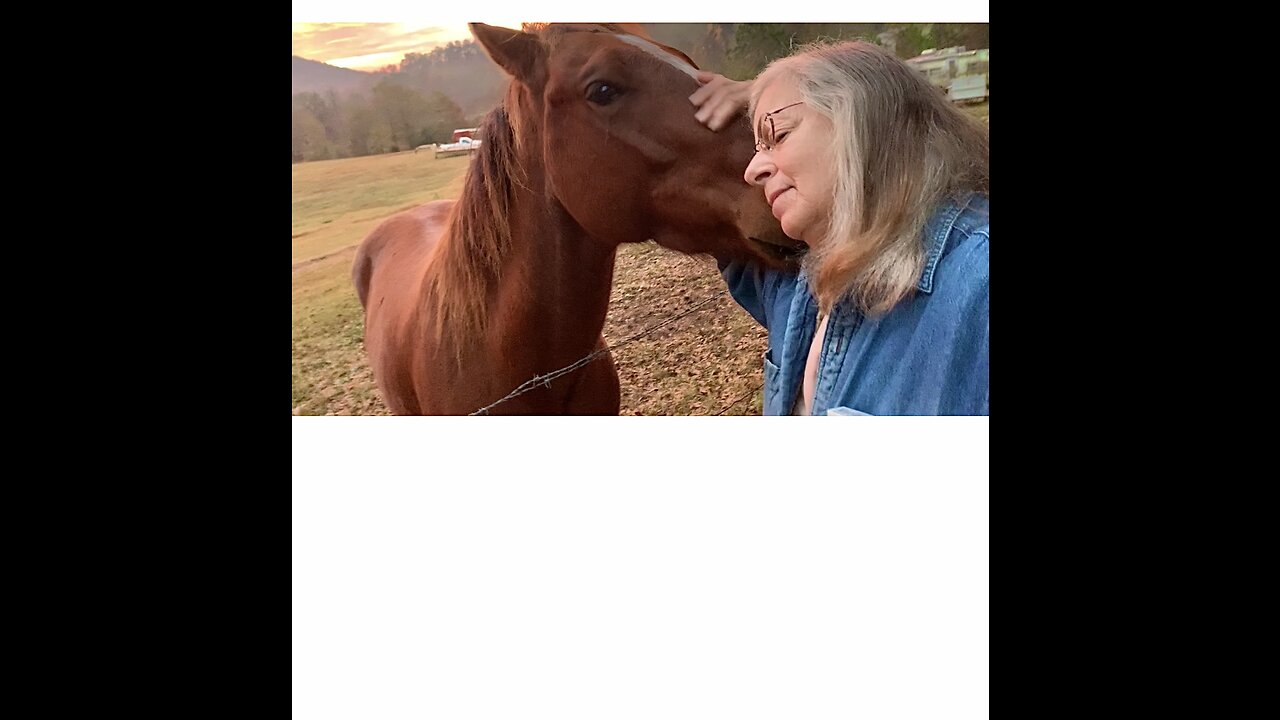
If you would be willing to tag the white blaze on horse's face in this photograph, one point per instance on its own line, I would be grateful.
(661, 54)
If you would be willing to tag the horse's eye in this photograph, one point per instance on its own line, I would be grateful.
(602, 93)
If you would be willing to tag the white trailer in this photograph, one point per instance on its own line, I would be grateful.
(968, 87)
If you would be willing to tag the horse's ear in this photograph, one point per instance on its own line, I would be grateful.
(519, 53)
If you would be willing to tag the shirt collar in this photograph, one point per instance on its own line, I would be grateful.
(936, 232)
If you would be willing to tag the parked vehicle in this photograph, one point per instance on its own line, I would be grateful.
(961, 73)
(462, 147)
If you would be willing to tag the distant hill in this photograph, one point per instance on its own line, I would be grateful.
(317, 77)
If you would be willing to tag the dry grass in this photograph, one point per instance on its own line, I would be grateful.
(704, 363)
(337, 202)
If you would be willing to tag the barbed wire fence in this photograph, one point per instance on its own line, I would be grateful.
(545, 380)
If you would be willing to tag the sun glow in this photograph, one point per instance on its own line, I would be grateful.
(370, 46)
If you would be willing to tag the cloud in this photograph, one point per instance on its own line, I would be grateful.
(351, 43)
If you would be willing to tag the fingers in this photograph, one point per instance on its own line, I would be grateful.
(717, 113)
(719, 99)
(700, 95)
(711, 85)
(706, 108)
(723, 115)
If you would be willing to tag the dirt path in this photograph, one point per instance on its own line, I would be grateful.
(351, 249)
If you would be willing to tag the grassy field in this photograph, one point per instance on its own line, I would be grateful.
(337, 202)
(705, 363)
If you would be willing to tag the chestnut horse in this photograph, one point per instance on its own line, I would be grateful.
(595, 144)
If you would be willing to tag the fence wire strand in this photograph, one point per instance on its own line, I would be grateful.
(545, 380)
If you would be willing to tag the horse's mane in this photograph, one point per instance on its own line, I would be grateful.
(478, 233)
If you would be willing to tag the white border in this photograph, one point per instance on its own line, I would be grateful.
(640, 568)
(652, 11)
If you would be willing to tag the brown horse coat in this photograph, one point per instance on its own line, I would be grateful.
(594, 145)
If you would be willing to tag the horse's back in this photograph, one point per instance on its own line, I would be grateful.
(407, 236)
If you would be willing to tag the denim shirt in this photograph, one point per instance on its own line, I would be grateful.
(929, 355)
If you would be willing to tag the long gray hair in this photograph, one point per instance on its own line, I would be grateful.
(899, 149)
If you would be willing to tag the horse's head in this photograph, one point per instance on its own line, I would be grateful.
(608, 117)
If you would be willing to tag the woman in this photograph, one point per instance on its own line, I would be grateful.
(888, 185)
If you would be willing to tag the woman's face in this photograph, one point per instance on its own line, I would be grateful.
(795, 168)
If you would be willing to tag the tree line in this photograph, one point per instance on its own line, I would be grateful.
(741, 51)
(421, 100)
(427, 95)
(391, 118)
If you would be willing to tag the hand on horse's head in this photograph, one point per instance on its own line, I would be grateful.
(719, 100)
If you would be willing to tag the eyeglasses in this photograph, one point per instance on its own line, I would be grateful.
(768, 140)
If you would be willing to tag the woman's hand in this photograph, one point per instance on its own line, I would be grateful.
(720, 99)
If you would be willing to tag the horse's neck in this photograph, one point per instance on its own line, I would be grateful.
(561, 278)
(556, 283)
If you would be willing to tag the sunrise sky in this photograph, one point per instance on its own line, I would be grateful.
(368, 34)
